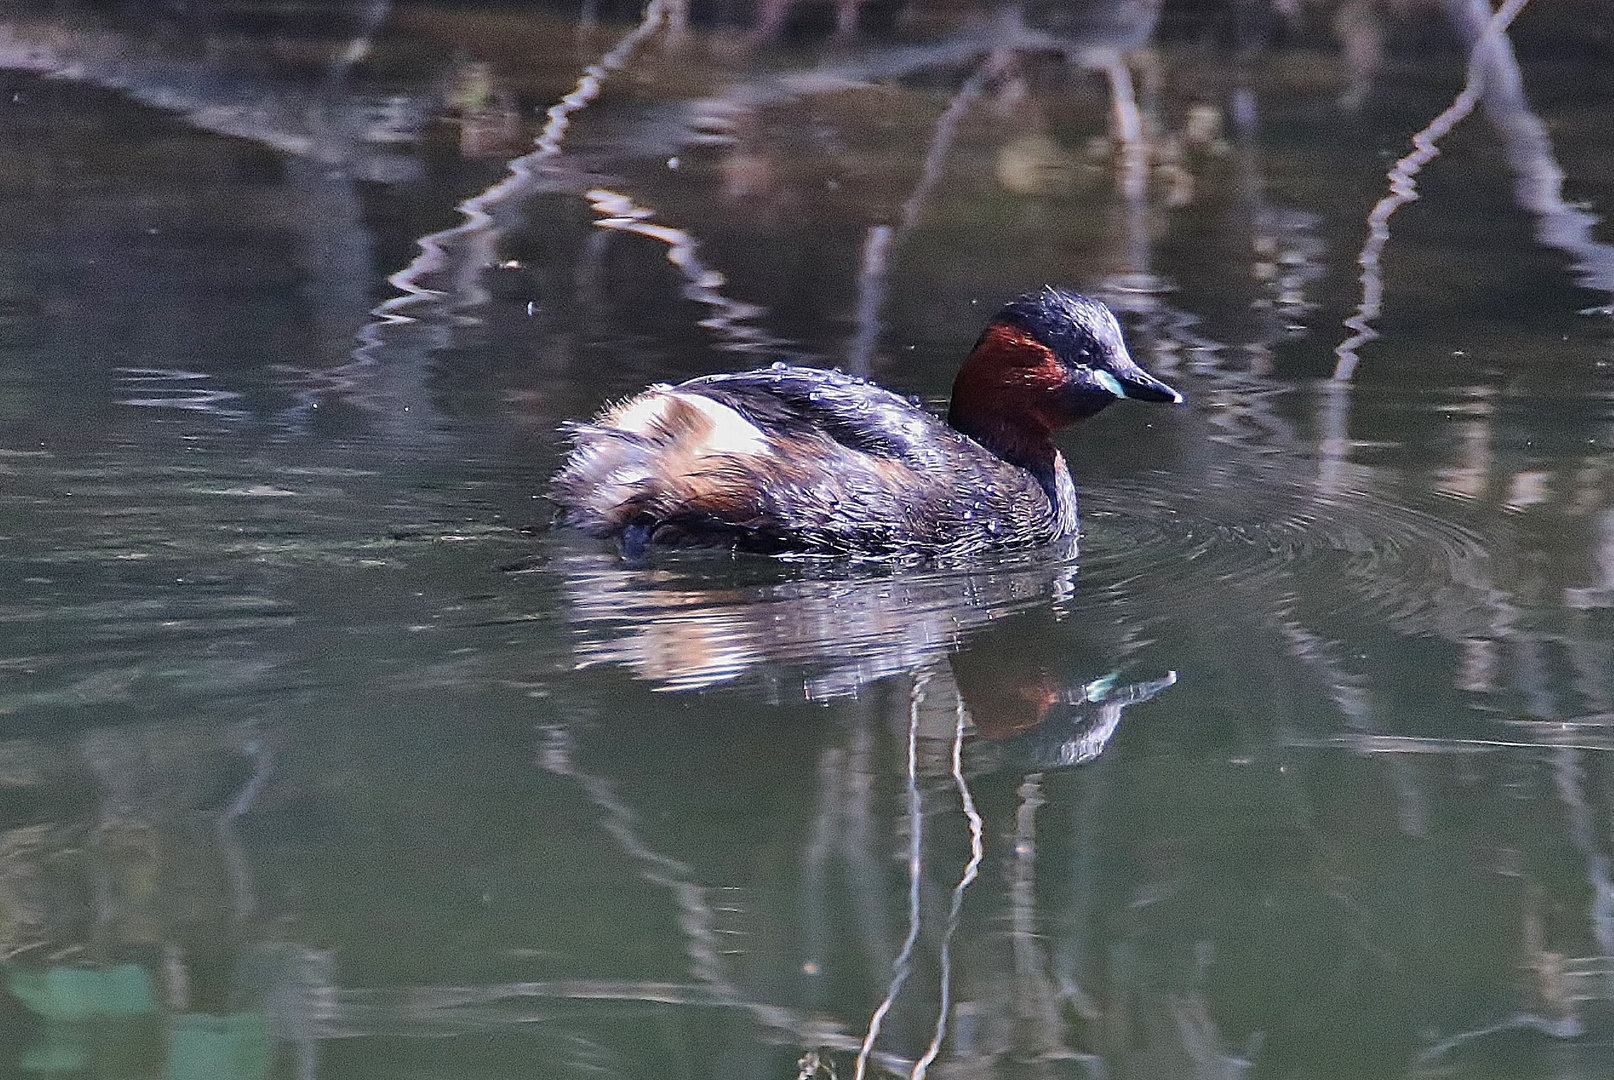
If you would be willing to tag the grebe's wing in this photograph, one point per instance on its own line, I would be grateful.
(793, 402)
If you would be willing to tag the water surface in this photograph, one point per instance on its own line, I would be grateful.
(322, 754)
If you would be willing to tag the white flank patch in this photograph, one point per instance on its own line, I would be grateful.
(729, 433)
(641, 415)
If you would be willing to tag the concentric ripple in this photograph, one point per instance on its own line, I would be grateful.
(1344, 553)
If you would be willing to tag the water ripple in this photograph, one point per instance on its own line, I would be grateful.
(164, 388)
(1367, 554)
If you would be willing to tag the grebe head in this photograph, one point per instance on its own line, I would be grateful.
(1086, 342)
(1047, 359)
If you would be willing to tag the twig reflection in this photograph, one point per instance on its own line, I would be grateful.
(1495, 80)
(618, 213)
(884, 239)
(696, 917)
(1538, 178)
(901, 967)
(944, 997)
(470, 247)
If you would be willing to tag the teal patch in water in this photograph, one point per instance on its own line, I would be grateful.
(82, 993)
(203, 1047)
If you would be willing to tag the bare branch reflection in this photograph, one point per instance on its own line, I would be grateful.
(1403, 189)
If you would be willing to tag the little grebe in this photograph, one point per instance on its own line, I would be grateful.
(801, 460)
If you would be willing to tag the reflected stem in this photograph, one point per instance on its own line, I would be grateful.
(696, 917)
(954, 911)
(1582, 833)
(903, 964)
(1404, 189)
(479, 232)
(235, 860)
(882, 240)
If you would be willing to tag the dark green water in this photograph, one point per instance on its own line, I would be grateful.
(322, 755)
